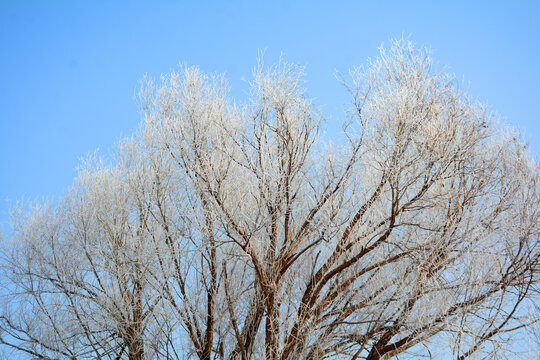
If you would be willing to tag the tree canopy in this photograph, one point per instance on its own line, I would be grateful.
(238, 231)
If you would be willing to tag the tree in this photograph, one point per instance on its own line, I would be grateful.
(234, 232)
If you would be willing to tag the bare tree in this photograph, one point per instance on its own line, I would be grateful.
(226, 231)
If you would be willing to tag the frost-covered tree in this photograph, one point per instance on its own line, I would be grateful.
(225, 231)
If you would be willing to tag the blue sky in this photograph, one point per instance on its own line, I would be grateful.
(69, 69)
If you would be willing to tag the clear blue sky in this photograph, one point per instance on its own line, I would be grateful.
(69, 69)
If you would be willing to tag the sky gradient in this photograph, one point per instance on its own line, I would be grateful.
(70, 69)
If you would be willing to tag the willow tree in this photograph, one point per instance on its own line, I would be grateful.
(225, 231)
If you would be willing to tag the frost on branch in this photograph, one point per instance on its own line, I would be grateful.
(226, 231)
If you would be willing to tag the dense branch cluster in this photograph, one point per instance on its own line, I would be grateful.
(224, 231)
